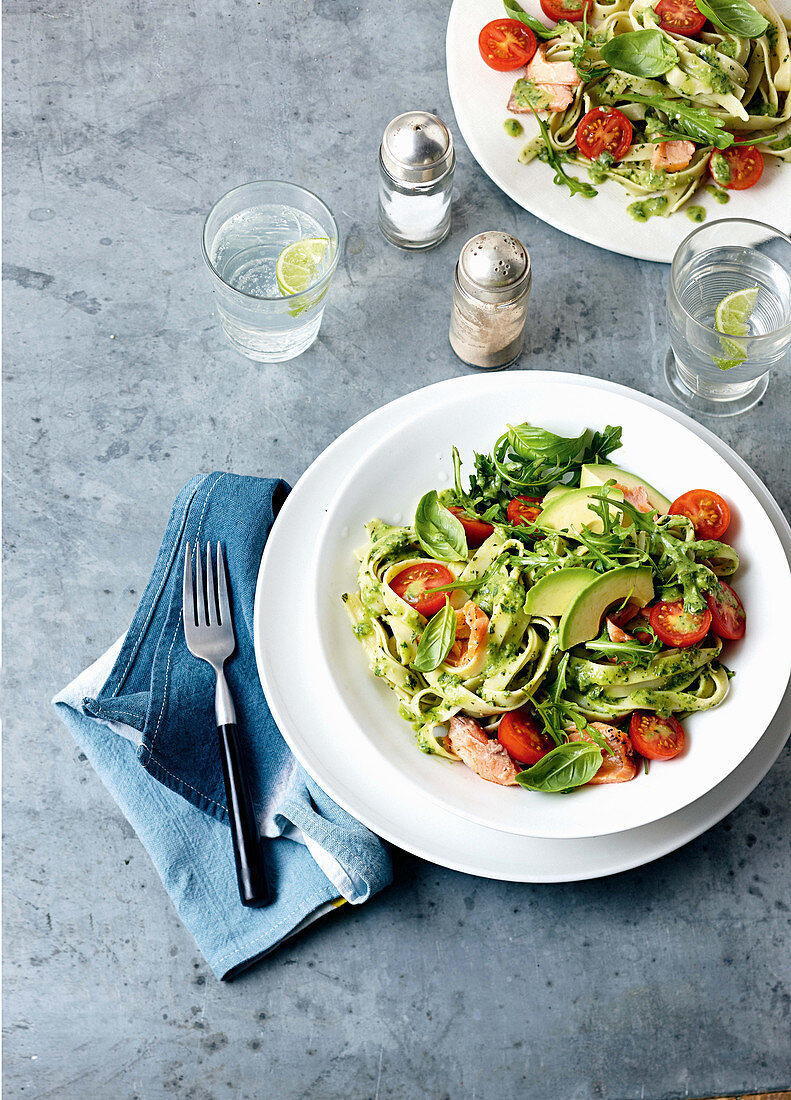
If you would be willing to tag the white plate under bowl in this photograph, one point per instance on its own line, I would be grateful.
(479, 95)
(412, 455)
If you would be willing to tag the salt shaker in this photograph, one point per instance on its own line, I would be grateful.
(490, 294)
(416, 165)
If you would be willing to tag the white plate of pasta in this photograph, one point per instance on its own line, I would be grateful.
(528, 674)
(624, 161)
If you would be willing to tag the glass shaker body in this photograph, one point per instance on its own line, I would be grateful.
(414, 215)
(487, 335)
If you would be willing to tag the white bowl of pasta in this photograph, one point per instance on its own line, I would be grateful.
(536, 714)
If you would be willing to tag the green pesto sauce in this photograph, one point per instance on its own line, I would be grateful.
(647, 208)
(720, 168)
(718, 193)
(715, 76)
(513, 127)
(597, 173)
(696, 213)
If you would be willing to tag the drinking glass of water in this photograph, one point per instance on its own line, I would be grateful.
(729, 315)
(271, 249)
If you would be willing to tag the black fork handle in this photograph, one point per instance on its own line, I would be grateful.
(254, 889)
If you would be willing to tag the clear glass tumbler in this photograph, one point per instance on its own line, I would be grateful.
(707, 370)
(243, 236)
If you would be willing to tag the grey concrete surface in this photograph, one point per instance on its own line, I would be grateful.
(123, 122)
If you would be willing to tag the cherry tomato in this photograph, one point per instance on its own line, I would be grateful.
(476, 530)
(655, 737)
(728, 617)
(523, 510)
(572, 10)
(522, 738)
(506, 44)
(411, 584)
(680, 17)
(604, 129)
(709, 513)
(746, 166)
(677, 627)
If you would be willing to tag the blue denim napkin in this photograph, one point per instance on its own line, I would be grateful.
(144, 716)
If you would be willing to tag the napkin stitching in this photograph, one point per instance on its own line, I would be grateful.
(163, 582)
(175, 635)
(103, 712)
(184, 783)
(317, 898)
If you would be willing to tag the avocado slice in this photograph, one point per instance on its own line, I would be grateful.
(553, 594)
(582, 620)
(571, 512)
(598, 474)
(553, 494)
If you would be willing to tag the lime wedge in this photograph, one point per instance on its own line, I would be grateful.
(733, 313)
(298, 265)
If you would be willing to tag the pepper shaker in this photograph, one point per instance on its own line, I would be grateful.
(491, 289)
(416, 166)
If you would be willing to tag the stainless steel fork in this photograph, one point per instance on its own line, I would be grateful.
(208, 629)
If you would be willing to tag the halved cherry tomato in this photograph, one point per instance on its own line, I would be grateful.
(709, 513)
(604, 130)
(411, 584)
(572, 10)
(746, 165)
(506, 44)
(728, 617)
(476, 530)
(523, 510)
(680, 17)
(521, 736)
(655, 737)
(677, 627)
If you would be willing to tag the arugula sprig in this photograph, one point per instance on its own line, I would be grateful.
(627, 653)
(562, 178)
(694, 123)
(554, 711)
(587, 69)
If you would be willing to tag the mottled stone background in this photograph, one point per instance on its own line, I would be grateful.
(123, 122)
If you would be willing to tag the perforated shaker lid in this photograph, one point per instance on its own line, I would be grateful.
(494, 267)
(417, 148)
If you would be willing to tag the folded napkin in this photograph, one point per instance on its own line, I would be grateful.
(144, 716)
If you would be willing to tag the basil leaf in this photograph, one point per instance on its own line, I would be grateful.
(567, 766)
(515, 11)
(530, 442)
(437, 640)
(734, 17)
(640, 53)
(695, 122)
(438, 531)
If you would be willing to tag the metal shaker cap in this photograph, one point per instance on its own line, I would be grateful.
(494, 267)
(417, 148)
